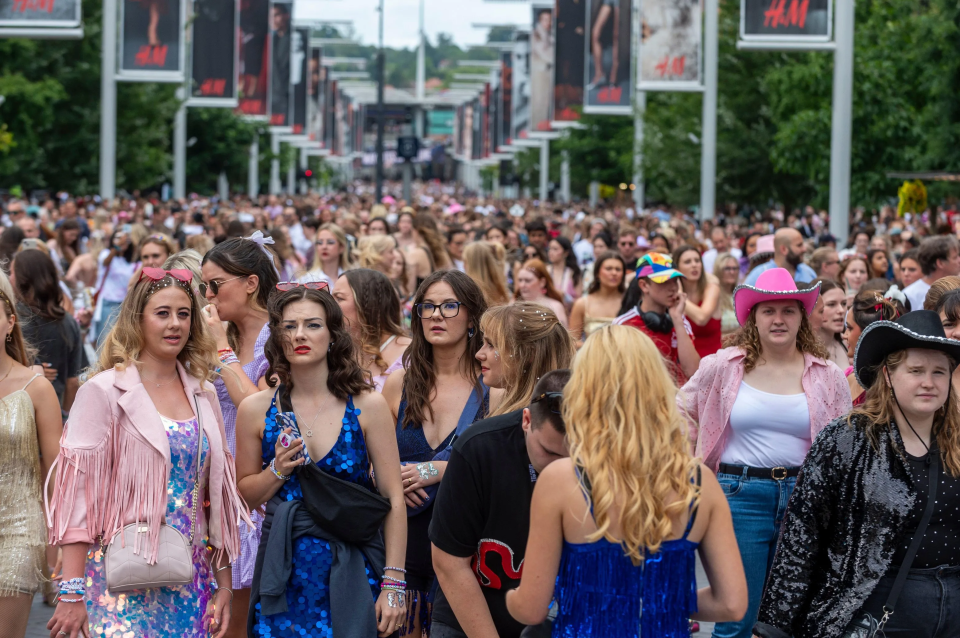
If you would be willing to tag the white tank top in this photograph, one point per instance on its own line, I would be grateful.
(767, 430)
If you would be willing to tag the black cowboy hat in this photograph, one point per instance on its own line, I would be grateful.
(918, 329)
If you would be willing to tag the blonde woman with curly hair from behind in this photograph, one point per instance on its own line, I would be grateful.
(621, 519)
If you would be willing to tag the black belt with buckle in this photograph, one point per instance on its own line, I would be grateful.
(775, 473)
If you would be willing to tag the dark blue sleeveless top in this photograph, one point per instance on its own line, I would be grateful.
(600, 593)
(411, 441)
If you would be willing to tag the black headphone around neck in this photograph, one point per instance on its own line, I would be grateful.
(657, 322)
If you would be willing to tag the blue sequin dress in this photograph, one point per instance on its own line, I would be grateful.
(308, 596)
(163, 611)
(600, 593)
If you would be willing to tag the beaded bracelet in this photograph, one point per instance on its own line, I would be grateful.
(392, 588)
(70, 600)
(282, 477)
(395, 569)
(392, 581)
(222, 350)
(229, 358)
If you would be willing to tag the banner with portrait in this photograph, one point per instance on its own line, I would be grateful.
(506, 98)
(568, 70)
(299, 77)
(607, 76)
(315, 73)
(254, 72)
(541, 68)
(670, 45)
(214, 46)
(520, 118)
(40, 13)
(281, 57)
(783, 21)
(152, 41)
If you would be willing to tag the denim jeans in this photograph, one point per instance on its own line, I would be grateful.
(758, 506)
(928, 607)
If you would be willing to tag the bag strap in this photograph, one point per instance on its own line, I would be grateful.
(917, 539)
(196, 482)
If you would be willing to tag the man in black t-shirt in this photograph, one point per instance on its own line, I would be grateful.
(482, 514)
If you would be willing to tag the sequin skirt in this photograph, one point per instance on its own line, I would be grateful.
(21, 563)
(169, 612)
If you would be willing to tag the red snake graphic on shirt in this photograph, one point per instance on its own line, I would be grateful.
(484, 570)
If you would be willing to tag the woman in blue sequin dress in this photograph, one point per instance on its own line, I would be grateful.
(324, 412)
(621, 562)
(438, 389)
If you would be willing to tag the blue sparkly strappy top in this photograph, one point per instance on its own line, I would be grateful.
(600, 593)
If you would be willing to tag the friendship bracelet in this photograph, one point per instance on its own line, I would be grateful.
(224, 350)
(70, 600)
(273, 468)
(395, 569)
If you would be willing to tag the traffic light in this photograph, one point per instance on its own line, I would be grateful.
(306, 174)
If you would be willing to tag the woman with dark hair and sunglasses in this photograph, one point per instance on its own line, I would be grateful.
(323, 425)
(439, 393)
(238, 277)
(371, 311)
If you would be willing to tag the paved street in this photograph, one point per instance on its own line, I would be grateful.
(40, 614)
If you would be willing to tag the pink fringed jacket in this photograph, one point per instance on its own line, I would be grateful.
(114, 466)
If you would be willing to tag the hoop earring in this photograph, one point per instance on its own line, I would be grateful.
(470, 333)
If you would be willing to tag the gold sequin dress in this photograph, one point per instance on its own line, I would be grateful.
(22, 529)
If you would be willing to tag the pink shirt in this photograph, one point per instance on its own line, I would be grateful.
(707, 399)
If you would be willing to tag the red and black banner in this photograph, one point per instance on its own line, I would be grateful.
(568, 70)
(40, 13)
(254, 72)
(785, 20)
(151, 40)
(215, 47)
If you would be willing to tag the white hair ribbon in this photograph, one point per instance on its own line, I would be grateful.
(261, 241)
(895, 293)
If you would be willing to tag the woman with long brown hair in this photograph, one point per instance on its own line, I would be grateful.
(438, 393)
(601, 305)
(623, 517)
(703, 296)
(867, 307)
(827, 320)
(755, 407)
(482, 263)
(371, 312)
(320, 430)
(870, 543)
(534, 284)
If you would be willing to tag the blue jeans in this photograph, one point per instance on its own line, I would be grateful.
(758, 506)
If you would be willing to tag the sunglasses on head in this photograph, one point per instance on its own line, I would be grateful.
(285, 286)
(157, 274)
(550, 396)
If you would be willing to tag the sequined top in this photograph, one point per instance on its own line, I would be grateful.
(844, 522)
(22, 528)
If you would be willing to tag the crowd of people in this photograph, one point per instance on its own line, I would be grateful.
(334, 416)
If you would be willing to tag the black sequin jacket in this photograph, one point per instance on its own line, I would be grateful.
(843, 524)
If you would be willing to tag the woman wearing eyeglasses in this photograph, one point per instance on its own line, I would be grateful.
(439, 393)
(331, 255)
(238, 277)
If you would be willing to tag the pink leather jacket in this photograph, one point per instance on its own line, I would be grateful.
(707, 399)
(114, 465)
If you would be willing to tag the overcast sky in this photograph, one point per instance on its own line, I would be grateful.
(401, 18)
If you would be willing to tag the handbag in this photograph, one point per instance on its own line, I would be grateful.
(128, 571)
(869, 627)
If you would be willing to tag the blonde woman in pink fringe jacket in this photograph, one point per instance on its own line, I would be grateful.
(129, 455)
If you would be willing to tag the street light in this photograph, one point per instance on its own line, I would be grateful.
(380, 123)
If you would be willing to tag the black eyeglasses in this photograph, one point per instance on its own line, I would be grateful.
(214, 285)
(550, 396)
(448, 309)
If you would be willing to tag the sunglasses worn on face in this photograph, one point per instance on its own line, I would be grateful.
(448, 309)
(285, 286)
(554, 397)
(214, 285)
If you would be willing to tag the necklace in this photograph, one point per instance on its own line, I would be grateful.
(159, 385)
(309, 431)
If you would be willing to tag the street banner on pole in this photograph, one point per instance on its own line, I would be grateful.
(281, 49)
(506, 97)
(152, 41)
(607, 77)
(254, 72)
(670, 52)
(786, 21)
(215, 48)
(520, 119)
(299, 79)
(541, 67)
(568, 70)
(40, 13)
(315, 71)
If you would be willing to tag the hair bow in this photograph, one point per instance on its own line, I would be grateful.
(894, 292)
(258, 238)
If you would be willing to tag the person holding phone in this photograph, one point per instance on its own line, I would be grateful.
(116, 266)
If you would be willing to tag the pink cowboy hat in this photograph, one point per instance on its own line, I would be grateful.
(775, 284)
